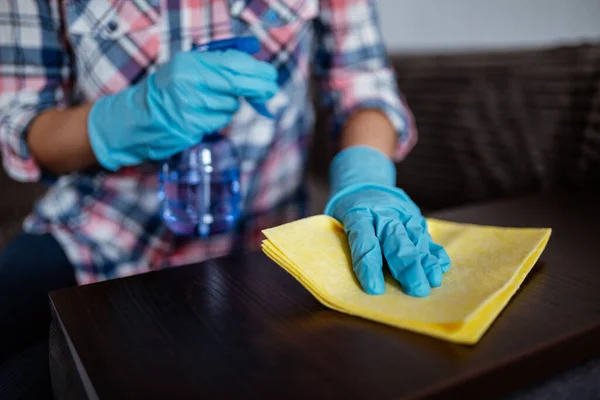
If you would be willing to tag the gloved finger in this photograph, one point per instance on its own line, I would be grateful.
(182, 102)
(162, 149)
(367, 261)
(183, 115)
(441, 254)
(241, 86)
(417, 232)
(240, 64)
(438, 251)
(401, 254)
(198, 123)
(219, 102)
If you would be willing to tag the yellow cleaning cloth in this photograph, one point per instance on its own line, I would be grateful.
(488, 266)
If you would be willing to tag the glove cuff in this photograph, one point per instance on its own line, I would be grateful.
(361, 165)
(331, 204)
(98, 144)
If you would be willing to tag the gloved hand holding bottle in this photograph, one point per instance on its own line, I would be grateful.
(380, 221)
(190, 96)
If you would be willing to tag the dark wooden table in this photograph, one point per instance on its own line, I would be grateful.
(241, 327)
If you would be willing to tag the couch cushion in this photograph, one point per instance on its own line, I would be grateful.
(497, 124)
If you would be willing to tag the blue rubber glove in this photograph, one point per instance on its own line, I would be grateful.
(192, 95)
(381, 220)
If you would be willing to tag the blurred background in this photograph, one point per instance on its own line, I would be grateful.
(506, 96)
(426, 26)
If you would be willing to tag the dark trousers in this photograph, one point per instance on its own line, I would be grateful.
(30, 267)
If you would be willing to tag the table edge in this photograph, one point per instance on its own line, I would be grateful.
(83, 376)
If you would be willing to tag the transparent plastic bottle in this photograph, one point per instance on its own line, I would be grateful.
(200, 188)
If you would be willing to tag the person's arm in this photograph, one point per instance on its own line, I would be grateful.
(381, 134)
(163, 114)
(59, 142)
(33, 90)
(374, 127)
(357, 82)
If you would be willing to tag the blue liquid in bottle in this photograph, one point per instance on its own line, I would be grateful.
(200, 188)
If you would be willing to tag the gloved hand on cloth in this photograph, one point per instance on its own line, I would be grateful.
(380, 221)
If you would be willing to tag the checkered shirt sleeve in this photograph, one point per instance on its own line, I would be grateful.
(33, 72)
(353, 71)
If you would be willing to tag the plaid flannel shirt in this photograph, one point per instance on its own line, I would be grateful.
(56, 53)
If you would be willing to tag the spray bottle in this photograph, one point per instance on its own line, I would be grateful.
(199, 189)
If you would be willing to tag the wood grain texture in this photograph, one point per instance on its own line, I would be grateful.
(241, 327)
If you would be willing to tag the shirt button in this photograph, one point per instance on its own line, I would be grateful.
(112, 26)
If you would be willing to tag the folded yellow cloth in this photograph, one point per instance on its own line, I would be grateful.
(488, 266)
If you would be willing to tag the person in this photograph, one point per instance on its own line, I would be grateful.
(94, 94)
